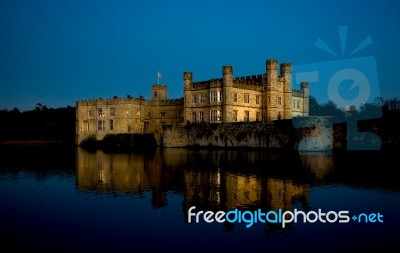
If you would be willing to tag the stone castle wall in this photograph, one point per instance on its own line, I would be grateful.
(265, 97)
(312, 134)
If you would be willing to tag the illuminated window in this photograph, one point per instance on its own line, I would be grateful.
(215, 96)
(162, 114)
(219, 96)
(215, 115)
(100, 112)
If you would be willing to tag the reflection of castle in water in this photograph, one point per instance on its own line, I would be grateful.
(217, 180)
(125, 173)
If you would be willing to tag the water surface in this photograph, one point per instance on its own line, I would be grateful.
(76, 201)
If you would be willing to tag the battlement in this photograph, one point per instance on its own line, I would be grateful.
(297, 93)
(286, 68)
(215, 82)
(128, 100)
(272, 64)
(113, 100)
(159, 86)
(305, 85)
(249, 79)
(227, 70)
(187, 75)
(176, 101)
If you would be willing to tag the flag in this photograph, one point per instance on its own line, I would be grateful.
(159, 75)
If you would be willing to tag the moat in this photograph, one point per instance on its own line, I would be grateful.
(72, 200)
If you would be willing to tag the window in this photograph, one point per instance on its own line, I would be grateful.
(246, 97)
(215, 115)
(298, 103)
(258, 116)
(100, 112)
(100, 125)
(269, 100)
(235, 115)
(234, 97)
(162, 114)
(194, 117)
(155, 94)
(279, 101)
(258, 99)
(112, 112)
(201, 116)
(194, 99)
(201, 98)
(246, 116)
(219, 115)
(215, 96)
(91, 114)
(146, 127)
(219, 96)
(111, 124)
(149, 115)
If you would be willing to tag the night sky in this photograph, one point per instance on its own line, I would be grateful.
(58, 52)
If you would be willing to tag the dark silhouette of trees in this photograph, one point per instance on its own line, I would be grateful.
(41, 123)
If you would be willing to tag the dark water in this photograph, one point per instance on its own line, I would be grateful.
(75, 201)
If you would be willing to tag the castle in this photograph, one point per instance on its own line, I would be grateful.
(264, 97)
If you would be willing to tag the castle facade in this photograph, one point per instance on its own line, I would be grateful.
(264, 97)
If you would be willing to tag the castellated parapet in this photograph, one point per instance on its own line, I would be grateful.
(264, 97)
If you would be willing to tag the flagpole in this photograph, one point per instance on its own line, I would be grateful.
(158, 77)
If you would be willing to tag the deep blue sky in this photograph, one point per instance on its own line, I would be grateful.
(57, 52)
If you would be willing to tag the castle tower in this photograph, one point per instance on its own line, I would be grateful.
(272, 92)
(286, 74)
(159, 92)
(305, 87)
(187, 83)
(227, 84)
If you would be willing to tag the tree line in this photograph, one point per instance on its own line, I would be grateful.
(380, 107)
(40, 123)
